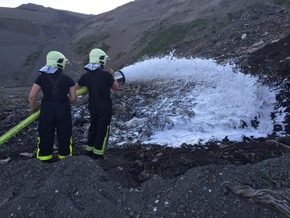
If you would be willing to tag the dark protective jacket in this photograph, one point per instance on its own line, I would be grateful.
(99, 83)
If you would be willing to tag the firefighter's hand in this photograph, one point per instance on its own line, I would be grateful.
(111, 71)
(33, 110)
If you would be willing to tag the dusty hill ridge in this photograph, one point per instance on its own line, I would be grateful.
(27, 33)
(40, 8)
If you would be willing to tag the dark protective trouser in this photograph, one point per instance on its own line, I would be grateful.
(54, 116)
(99, 130)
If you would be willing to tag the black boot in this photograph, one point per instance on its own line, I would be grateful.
(96, 156)
(89, 153)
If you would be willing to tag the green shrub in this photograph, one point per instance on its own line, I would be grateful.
(85, 44)
(34, 56)
(165, 39)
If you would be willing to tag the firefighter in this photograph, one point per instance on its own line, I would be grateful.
(99, 83)
(55, 114)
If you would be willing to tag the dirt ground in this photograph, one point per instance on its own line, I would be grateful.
(222, 179)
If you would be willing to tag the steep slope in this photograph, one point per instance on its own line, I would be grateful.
(149, 28)
(140, 28)
(27, 33)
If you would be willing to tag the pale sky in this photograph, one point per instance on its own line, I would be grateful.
(82, 6)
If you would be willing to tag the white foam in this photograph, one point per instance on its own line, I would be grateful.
(224, 100)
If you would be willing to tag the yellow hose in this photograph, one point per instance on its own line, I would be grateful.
(29, 120)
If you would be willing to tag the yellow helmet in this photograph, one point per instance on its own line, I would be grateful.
(98, 56)
(56, 59)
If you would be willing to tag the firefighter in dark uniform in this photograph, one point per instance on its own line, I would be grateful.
(99, 83)
(55, 113)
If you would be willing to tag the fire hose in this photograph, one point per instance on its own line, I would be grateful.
(119, 76)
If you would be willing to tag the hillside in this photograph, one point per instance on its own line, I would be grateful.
(220, 179)
(27, 33)
(137, 29)
(191, 28)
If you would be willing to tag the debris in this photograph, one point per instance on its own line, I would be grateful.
(277, 199)
(5, 160)
(26, 154)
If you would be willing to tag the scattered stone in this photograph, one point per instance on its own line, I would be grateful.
(5, 161)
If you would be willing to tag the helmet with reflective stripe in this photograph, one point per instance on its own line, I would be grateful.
(56, 59)
(98, 56)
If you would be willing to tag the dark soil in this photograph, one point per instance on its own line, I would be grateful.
(138, 180)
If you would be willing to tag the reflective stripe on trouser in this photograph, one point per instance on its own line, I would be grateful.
(43, 158)
(90, 148)
(49, 157)
(54, 117)
(70, 150)
(100, 150)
